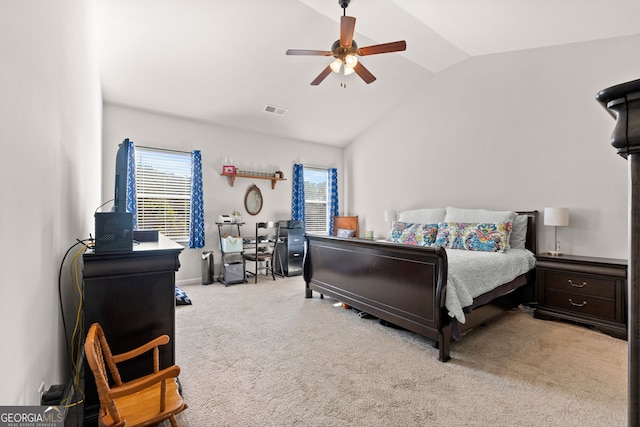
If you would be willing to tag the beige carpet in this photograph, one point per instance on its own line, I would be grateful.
(263, 355)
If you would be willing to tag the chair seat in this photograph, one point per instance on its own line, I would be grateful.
(259, 257)
(143, 407)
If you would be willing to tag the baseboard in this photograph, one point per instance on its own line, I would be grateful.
(183, 282)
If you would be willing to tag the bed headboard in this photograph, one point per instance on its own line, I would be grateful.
(345, 223)
(532, 230)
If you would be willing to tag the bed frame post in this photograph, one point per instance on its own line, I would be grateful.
(623, 103)
(444, 344)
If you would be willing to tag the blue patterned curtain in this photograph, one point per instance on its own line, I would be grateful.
(132, 199)
(333, 197)
(196, 224)
(297, 196)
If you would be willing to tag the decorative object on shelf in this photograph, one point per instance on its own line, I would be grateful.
(279, 174)
(228, 169)
(253, 200)
(557, 217)
(236, 217)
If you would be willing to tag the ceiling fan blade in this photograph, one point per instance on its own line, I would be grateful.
(364, 73)
(347, 27)
(309, 52)
(382, 48)
(321, 76)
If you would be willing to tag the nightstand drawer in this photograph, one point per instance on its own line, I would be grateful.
(582, 284)
(577, 303)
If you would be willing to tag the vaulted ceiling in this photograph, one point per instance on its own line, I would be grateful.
(223, 61)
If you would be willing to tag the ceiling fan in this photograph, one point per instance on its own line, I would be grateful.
(346, 51)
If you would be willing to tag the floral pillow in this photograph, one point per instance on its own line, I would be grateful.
(486, 237)
(413, 234)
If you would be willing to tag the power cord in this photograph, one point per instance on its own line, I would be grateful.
(70, 345)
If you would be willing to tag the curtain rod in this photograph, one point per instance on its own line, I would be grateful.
(316, 167)
(162, 149)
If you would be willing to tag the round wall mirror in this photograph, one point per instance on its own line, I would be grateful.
(253, 200)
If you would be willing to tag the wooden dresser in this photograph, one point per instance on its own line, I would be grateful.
(587, 290)
(132, 295)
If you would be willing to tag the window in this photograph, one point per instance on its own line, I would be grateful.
(163, 188)
(316, 204)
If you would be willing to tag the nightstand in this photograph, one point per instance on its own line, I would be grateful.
(586, 290)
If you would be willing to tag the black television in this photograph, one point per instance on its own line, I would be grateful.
(114, 229)
(120, 191)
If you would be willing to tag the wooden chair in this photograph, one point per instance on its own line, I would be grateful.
(345, 223)
(143, 401)
(266, 248)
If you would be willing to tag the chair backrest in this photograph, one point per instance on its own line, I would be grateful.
(146, 400)
(100, 359)
(270, 230)
(345, 223)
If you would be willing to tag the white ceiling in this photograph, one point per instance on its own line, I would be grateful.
(223, 61)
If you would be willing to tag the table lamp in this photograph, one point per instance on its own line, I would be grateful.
(558, 217)
(390, 215)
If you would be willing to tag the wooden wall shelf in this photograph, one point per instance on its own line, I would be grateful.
(233, 176)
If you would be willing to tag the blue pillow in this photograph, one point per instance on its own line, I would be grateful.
(181, 297)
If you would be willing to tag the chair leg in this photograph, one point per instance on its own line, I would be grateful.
(173, 421)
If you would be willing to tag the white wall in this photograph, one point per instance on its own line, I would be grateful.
(515, 131)
(50, 110)
(248, 150)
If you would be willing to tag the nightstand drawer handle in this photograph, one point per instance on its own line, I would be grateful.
(575, 304)
(576, 285)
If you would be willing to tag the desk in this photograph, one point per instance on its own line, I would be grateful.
(132, 295)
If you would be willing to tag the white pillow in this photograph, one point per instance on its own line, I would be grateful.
(478, 216)
(518, 236)
(422, 216)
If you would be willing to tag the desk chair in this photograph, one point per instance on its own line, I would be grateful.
(148, 400)
(266, 248)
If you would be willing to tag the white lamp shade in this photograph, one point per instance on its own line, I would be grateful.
(390, 215)
(556, 216)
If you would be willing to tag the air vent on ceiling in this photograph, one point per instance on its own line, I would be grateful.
(275, 110)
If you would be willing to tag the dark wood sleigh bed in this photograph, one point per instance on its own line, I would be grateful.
(406, 285)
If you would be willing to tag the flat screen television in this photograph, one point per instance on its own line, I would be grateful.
(114, 229)
(120, 192)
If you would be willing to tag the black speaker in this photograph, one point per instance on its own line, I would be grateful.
(114, 232)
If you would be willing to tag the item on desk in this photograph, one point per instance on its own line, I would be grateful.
(236, 217)
(369, 234)
(224, 219)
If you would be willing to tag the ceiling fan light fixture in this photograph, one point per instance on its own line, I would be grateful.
(350, 61)
(335, 65)
(345, 49)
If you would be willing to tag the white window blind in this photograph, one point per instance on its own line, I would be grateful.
(163, 189)
(316, 204)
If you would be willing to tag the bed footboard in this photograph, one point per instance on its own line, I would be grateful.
(401, 284)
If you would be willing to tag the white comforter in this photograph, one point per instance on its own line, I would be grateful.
(473, 273)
